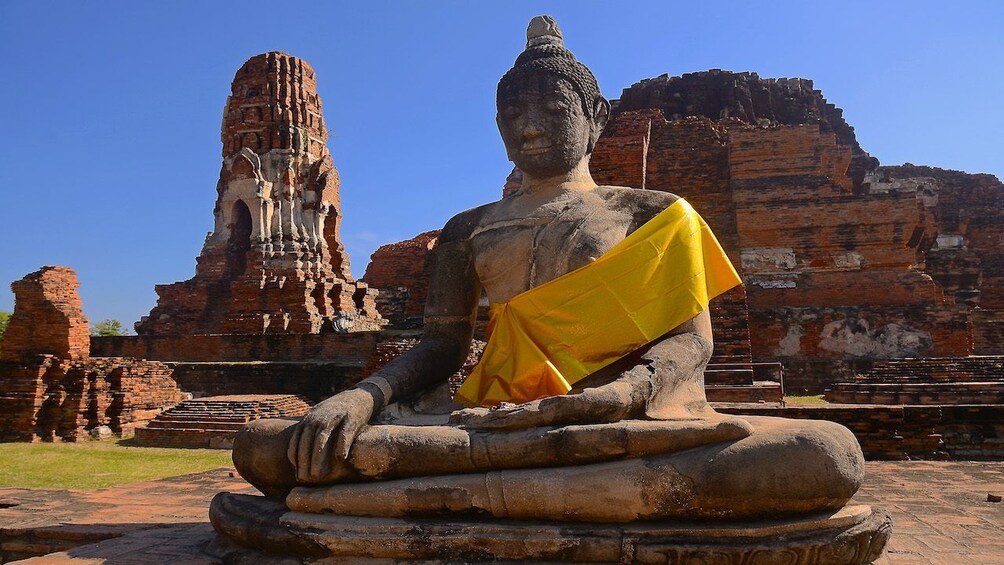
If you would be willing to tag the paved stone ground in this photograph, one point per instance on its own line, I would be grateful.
(940, 509)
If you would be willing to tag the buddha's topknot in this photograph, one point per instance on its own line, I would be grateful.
(546, 53)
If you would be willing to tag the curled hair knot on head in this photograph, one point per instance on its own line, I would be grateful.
(546, 53)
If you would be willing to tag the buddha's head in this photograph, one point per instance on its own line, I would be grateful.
(550, 110)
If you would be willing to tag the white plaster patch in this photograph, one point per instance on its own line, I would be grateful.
(853, 336)
(791, 343)
(926, 188)
(950, 241)
(850, 261)
(767, 259)
(772, 283)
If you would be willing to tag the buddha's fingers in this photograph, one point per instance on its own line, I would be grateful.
(305, 451)
(321, 454)
(346, 437)
(294, 444)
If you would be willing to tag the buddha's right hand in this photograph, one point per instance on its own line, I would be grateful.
(322, 440)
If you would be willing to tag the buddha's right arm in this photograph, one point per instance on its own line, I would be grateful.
(450, 314)
(323, 439)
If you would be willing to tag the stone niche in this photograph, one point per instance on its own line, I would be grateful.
(273, 262)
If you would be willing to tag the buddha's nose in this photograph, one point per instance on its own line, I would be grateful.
(531, 130)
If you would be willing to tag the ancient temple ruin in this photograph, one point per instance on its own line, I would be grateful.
(273, 262)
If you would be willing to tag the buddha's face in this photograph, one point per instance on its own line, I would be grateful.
(544, 128)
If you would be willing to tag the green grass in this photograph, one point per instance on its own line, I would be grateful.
(817, 400)
(98, 464)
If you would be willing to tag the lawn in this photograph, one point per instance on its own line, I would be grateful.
(98, 464)
(817, 400)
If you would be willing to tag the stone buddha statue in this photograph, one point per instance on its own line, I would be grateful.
(593, 434)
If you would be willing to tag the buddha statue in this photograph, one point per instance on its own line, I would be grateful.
(588, 406)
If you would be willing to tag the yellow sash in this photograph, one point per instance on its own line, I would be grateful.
(545, 339)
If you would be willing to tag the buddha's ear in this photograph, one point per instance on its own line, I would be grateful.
(498, 122)
(601, 113)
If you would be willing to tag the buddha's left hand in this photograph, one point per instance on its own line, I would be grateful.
(609, 403)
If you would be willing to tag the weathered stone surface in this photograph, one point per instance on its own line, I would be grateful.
(391, 349)
(47, 319)
(353, 348)
(273, 262)
(718, 94)
(853, 535)
(314, 365)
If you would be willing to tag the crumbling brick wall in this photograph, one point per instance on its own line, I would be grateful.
(49, 386)
(48, 318)
(401, 271)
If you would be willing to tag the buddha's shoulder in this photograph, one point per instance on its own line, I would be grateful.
(637, 202)
(461, 226)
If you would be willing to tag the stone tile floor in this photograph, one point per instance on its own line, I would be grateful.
(940, 510)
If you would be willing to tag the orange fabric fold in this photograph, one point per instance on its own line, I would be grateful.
(544, 340)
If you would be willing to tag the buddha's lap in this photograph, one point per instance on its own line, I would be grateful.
(783, 467)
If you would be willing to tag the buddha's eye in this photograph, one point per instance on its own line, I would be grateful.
(511, 112)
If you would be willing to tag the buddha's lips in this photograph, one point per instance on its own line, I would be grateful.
(535, 150)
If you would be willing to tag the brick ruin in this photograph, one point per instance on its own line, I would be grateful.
(846, 263)
(48, 319)
(50, 387)
(273, 262)
(401, 272)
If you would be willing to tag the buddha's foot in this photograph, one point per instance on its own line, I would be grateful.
(254, 529)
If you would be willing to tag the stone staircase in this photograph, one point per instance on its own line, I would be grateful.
(926, 381)
(212, 421)
(729, 379)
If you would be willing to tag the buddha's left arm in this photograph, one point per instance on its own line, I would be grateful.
(612, 396)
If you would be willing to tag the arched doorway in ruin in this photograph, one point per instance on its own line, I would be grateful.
(239, 242)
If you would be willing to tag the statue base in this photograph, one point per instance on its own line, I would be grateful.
(253, 529)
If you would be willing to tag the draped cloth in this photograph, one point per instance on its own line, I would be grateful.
(545, 339)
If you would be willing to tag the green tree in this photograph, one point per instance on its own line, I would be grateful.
(4, 318)
(107, 328)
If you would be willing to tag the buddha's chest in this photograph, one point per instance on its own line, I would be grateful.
(514, 255)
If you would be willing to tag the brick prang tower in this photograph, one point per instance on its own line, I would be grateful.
(273, 262)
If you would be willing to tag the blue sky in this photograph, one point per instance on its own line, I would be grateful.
(110, 152)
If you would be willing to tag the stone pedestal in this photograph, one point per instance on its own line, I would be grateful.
(258, 530)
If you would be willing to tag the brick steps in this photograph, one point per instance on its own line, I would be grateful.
(733, 379)
(728, 375)
(926, 381)
(212, 422)
(765, 391)
(900, 432)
